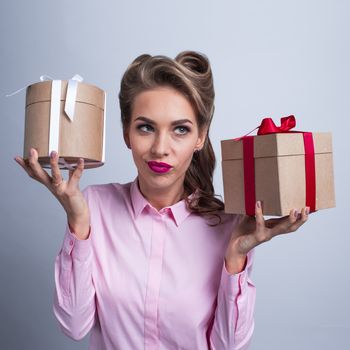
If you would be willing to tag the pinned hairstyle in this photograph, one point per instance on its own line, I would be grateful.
(190, 74)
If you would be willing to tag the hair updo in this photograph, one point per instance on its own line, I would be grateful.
(190, 74)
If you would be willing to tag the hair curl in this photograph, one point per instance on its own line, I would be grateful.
(190, 74)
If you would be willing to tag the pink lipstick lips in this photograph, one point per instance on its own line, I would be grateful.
(159, 167)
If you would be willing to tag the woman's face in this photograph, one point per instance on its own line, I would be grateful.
(163, 129)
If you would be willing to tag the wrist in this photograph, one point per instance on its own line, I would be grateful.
(235, 264)
(80, 226)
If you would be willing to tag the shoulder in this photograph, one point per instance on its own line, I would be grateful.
(227, 223)
(108, 191)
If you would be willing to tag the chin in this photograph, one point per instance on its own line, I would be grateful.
(158, 180)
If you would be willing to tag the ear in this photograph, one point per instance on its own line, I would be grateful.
(126, 138)
(201, 139)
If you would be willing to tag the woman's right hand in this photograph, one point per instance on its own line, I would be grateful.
(67, 192)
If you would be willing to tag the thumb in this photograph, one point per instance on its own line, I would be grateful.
(259, 217)
(75, 175)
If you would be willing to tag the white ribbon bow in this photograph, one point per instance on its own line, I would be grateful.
(71, 95)
(69, 106)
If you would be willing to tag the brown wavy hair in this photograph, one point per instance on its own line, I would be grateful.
(190, 74)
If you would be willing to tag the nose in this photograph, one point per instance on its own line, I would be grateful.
(160, 146)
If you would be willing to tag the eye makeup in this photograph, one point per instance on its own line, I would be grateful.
(186, 128)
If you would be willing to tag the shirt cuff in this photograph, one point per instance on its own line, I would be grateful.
(79, 248)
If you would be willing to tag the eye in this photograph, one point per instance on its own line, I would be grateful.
(184, 128)
(146, 128)
(142, 126)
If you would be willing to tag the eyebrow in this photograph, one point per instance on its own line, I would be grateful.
(176, 122)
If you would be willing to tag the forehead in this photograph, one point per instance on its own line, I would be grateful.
(162, 103)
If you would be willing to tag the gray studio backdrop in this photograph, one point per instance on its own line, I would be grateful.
(269, 58)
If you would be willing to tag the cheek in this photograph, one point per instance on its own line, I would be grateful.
(138, 143)
(186, 154)
(189, 146)
(137, 151)
(137, 147)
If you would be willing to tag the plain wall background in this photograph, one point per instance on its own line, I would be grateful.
(269, 58)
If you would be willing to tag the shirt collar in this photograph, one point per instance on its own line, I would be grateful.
(179, 210)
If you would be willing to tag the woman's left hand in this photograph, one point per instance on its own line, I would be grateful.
(254, 230)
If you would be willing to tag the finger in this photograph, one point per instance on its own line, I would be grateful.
(75, 175)
(293, 216)
(55, 170)
(70, 173)
(305, 213)
(283, 224)
(302, 218)
(259, 217)
(263, 233)
(22, 163)
(36, 169)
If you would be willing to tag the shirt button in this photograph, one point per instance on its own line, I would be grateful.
(71, 242)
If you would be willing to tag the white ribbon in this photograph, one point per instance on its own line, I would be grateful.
(69, 108)
(55, 111)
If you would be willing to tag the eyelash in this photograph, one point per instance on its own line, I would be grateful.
(180, 126)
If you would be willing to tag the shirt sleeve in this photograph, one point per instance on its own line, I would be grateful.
(74, 294)
(234, 315)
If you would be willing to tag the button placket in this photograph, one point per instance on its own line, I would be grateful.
(153, 284)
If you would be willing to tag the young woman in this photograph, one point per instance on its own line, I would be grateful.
(156, 263)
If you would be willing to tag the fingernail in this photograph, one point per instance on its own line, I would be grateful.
(307, 210)
(295, 213)
(52, 154)
(258, 204)
(32, 151)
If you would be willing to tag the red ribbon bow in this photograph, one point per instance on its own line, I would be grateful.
(267, 126)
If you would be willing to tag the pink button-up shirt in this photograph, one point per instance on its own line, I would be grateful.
(149, 279)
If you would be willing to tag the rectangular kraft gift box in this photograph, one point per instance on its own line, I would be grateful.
(279, 173)
(84, 137)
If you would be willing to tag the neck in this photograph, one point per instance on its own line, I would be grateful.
(161, 197)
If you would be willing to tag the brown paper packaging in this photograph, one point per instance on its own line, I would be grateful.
(82, 138)
(279, 173)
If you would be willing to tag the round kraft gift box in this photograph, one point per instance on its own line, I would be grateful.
(82, 137)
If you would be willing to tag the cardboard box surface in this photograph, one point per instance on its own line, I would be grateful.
(81, 138)
(279, 173)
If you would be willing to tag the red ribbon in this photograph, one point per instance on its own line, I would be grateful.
(267, 126)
